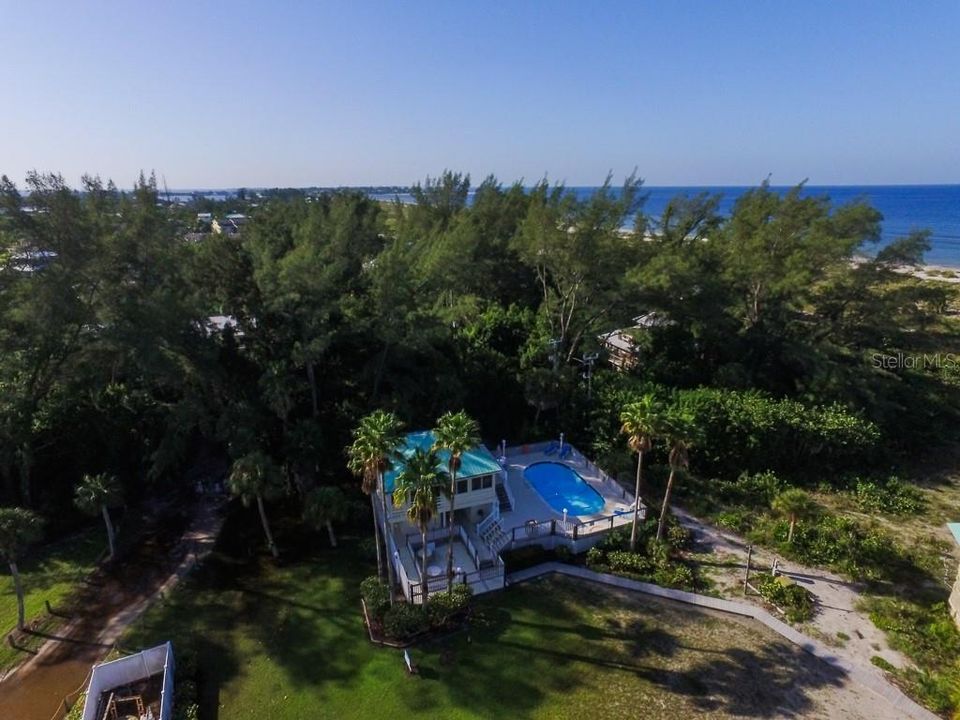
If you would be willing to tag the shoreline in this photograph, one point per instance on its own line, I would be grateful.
(937, 273)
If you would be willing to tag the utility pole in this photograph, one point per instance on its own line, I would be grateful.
(587, 361)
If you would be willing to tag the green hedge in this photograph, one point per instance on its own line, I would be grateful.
(654, 562)
(376, 596)
(445, 606)
(404, 620)
(749, 431)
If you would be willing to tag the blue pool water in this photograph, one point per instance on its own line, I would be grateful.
(562, 488)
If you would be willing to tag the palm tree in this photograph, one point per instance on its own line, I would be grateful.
(678, 430)
(456, 433)
(639, 421)
(19, 528)
(794, 504)
(97, 494)
(255, 477)
(376, 441)
(323, 506)
(418, 486)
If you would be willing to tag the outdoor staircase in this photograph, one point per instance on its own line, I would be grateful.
(503, 499)
(494, 537)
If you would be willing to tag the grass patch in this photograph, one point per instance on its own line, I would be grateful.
(287, 641)
(50, 573)
(928, 636)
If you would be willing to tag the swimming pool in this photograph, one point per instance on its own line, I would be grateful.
(562, 487)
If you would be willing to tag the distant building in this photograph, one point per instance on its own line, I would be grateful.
(217, 324)
(29, 261)
(205, 217)
(621, 347)
(230, 224)
(623, 350)
(955, 594)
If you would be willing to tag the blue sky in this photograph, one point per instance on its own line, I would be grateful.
(257, 94)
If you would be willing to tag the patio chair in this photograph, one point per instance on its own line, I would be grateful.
(552, 448)
(565, 453)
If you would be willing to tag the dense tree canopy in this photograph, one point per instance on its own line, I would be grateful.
(478, 298)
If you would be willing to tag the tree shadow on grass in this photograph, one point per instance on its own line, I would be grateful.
(771, 682)
(774, 681)
(307, 617)
(216, 666)
(632, 643)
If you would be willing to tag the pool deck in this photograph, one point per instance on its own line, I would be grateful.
(528, 504)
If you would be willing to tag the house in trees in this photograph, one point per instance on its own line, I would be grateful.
(229, 225)
(622, 345)
(477, 539)
(544, 493)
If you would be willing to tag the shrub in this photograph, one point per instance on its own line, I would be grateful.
(616, 539)
(653, 565)
(675, 575)
(795, 601)
(623, 561)
(752, 489)
(737, 520)
(403, 620)
(443, 606)
(839, 542)
(891, 496)
(677, 536)
(376, 596)
(597, 559)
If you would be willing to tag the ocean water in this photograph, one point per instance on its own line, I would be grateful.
(904, 208)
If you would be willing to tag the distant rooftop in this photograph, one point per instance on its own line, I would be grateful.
(477, 461)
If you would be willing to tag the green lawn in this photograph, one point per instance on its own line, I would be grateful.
(51, 573)
(289, 642)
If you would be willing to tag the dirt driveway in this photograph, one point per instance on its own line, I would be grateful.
(111, 600)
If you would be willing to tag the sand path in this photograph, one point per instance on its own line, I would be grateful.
(837, 597)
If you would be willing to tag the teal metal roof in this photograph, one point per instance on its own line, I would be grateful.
(954, 529)
(478, 461)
